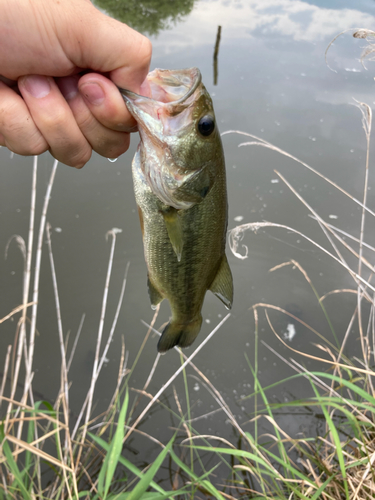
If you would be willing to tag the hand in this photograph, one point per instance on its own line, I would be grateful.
(45, 102)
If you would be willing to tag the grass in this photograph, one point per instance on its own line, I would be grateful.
(44, 454)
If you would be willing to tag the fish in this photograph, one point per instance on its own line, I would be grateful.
(180, 189)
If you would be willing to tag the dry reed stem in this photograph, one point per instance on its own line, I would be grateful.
(347, 235)
(17, 309)
(41, 439)
(22, 345)
(263, 143)
(26, 285)
(120, 377)
(215, 393)
(177, 372)
(178, 404)
(366, 123)
(236, 235)
(341, 365)
(97, 365)
(64, 372)
(38, 259)
(318, 382)
(5, 372)
(76, 342)
(279, 309)
(325, 230)
(37, 451)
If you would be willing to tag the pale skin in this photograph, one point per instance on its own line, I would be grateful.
(45, 101)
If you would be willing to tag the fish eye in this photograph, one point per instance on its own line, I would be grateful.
(206, 125)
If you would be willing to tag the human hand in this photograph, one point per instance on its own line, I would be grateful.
(45, 102)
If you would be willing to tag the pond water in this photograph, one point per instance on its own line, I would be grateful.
(273, 82)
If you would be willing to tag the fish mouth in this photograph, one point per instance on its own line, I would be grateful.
(164, 86)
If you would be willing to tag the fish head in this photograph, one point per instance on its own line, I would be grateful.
(180, 143)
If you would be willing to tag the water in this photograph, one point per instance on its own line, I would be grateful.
(272, 82)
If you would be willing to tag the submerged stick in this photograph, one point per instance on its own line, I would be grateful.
(216, 53)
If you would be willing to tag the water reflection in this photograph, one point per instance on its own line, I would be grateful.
(216, 54)
(147, 16)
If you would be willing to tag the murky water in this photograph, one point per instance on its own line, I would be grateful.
(273, 82)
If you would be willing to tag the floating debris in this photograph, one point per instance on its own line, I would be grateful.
(290, 332)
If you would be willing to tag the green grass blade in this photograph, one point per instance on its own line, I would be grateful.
(198, 480)
(28, 454)
(12, 464)
(111, 460)
(319, 491)
(268, 408)
(146, 478)
(366, 396)
(125, 462)
(151, 495)
(336, 440)
(268, 468)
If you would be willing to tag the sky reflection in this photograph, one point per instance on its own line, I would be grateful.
(299, 20)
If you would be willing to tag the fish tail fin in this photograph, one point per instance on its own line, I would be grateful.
(181, 334)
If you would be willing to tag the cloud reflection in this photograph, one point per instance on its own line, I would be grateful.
(293, 18)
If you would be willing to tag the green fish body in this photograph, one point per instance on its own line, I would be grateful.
(180, 189)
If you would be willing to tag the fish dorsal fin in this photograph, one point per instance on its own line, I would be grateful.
(174, 227)
(222, 285)
(155, 295)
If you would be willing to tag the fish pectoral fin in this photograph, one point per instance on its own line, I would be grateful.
(174, 228)
(154, 294)
(222, 285)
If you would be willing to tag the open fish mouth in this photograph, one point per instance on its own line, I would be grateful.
(169, 96)
(167, 86)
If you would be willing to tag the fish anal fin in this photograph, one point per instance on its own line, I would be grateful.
(154, 294)
(174, 228)
(222, 285)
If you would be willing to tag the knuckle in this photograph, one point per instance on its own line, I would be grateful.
(87, 123)
(147, 50)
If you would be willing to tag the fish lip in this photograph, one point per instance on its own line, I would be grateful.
(130, 96)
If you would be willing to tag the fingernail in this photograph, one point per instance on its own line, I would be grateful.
(68, 86)
(92, 92)
(37, 86)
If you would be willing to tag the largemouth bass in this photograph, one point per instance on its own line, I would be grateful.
(180, 189)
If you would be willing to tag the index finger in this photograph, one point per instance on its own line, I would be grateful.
(112, 48)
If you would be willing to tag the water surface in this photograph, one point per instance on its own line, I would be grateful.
(273, 82)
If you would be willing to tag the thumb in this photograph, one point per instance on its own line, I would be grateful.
(108, 46)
